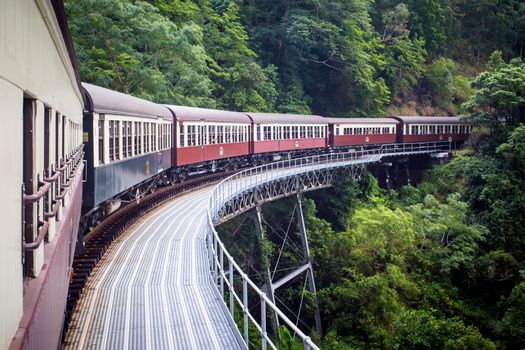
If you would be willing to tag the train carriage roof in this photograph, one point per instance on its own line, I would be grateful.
(276, 118)
(183, 113)
(431, 120)
(102, 100)
(362, 121)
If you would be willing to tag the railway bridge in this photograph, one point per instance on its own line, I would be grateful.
(169, 282)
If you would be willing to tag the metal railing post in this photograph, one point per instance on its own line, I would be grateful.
(245, 307)
(232, 305)
(263, 321)
(306, 343)
(221, 273)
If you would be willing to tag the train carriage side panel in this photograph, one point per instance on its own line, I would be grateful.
(362, 131)
(268, 124)
(432, 129)
(131, 142)
(41, 107)
(203, 135)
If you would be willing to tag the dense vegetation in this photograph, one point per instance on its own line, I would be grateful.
(334, 58)
(437, 266)
(440, 265)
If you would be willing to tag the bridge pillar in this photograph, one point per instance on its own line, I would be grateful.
(270, 291)
(310, 271)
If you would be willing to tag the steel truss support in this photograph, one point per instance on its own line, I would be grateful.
(306, 267)
(310, 270)
(270, 291)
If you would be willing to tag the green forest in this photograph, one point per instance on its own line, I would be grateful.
(437, 265)
(340, 58)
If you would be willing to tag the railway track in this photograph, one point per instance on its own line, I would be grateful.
(99, 239)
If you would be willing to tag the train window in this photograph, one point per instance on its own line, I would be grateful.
(211, 134)
(63, 143)
(47, 135)
(117, 140)
(439, 129)
(267, 132)
(146, 137)
(127, 149)
(454, 129)
(100, 142)
(165, 137)
(414, 130)
(153, 137)
(220, 134)
(159, 137)
(140, 133)
(286, 134)
(170, 135)
(136, 138)
(181, 136)
(124, 139)
(111, 141)
(190, 131)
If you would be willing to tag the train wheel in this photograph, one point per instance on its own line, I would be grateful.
(137, 196)
(183, 175)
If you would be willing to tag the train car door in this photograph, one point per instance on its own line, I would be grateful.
(202, 141)
(330, 135)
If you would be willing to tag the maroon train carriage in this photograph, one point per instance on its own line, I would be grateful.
(428, 129)
(280, 134)
(344, 132)
(208, 138)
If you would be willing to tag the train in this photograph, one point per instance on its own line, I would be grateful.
(77, 152)
(134, 146)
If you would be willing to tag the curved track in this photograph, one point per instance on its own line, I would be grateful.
(152, 288)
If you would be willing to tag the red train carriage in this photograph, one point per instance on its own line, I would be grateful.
(209, 137)
(344, 132)
(287, 132)
(428, 129)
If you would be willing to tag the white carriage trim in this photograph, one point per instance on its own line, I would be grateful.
(194, 133)
(267, 132)
(434, 129)
(364, 129)
(118, 137)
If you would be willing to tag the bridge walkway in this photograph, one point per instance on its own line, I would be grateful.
(153, 289)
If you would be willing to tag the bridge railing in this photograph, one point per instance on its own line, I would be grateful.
(228, 275)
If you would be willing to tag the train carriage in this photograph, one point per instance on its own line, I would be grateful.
(41, 150)
(347, 132)
(209, 137)
(285, 133)
(129, 141)
(429, 129)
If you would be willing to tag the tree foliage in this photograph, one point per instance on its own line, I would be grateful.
(500, 93)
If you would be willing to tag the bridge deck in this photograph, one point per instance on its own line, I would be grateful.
(153, 289)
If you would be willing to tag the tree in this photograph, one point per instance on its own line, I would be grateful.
(130, 46)
(500, 97)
